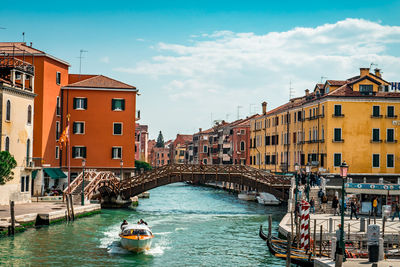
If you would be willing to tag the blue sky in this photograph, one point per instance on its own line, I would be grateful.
(197, 60)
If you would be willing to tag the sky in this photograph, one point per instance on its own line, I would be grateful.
(195, 62)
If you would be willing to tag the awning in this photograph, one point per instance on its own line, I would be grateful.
(34, 173)
(55, 173)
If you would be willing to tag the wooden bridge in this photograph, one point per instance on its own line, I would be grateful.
(105, 184)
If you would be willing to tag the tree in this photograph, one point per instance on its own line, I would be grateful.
(7, 164)
(142, 165)
(160, 140)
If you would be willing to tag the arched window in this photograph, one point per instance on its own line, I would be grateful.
(242, 146)
(28, 150)
(7, 144)
(29, 114)
(8, 110)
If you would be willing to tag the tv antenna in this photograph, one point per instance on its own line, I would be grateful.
(372, 64)
(291, 90)
(322, 78)
(23, 37)
(238, 111)
(80, 59)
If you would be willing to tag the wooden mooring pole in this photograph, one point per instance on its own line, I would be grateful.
(68, 210)
(315, 236)
(291, 223)
(288, 250)
(12, 213)
(320, 240)
(72, 208)
(269, 226)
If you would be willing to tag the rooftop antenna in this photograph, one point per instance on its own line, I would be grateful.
(372, 64)
(238, 111)
(80, 59)
(251, 108)
(322, 78)
(23, 37)
(212, 123)
(291, 90)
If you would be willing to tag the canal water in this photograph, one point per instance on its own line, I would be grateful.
(193, 226)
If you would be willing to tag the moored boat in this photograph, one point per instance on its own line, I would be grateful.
(247, 195)
(267, 199)
(136, 237)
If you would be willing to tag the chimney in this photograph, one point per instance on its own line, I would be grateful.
(200, 129)
(378, 72)
(364, 72)
(264, 107)
(30, 44)
(307, 92)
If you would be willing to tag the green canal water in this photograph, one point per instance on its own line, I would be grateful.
(193, 226)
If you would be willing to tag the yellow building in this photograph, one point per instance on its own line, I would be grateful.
(16, 126)
(353, 120)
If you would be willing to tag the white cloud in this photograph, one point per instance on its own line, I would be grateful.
(222, 69)
(105, 59)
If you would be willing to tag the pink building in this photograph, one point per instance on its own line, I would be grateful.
(141, 142)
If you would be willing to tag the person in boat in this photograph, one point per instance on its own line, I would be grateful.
(142, 222)
(123, 224)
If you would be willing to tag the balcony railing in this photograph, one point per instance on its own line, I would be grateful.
(376, 141)
(376, 116)
(33, 162)
(390, 141)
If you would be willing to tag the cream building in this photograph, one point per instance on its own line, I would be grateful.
(16, 126)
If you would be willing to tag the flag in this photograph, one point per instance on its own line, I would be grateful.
(64, 138)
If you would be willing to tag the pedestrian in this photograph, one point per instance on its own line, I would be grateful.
(324, 203)
(335, 204)
(338, 248)
(375, 206)
(396, 210)
(353, 208)
(312, 205)
(320, 195)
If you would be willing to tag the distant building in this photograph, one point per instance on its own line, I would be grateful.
(141, 142)
(102, 123)
(178, 148)
(150, 154)
(17, 94)
(160, 156)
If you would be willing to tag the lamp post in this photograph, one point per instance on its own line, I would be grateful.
(308, 171)
(121, 163)
(343, 173)
(83, 182)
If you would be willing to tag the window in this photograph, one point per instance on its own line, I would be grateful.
(390, 135)
(242, 131)
(338, 111)
(57, 152)
(78, 127)
(29, 114)
(116, 153)
(337, 135)
(57, 130)
(118, 104)
(205, 149)
(8, 111)
(366, 88)
(205, 161)
(375, 135)
(78, 152)
(22, 183)
(28, 150)
(58, 107)
(58, 77)
(27, 183)
(337, 159)
(7, 144)
(117, 128)
(80, 103)
(376, 111)
(375, 160)
(242, 146)
(390, 112)
(390, 161)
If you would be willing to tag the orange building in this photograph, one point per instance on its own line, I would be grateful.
(102, 123)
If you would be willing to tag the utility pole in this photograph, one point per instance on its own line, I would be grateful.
(80, 59)
(291, 91)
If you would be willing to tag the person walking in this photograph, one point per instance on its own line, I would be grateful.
(396, 210)
(335, 204)
(353, 208)
(324, 203)
(375, 206)
(312, 205)
(320, 195)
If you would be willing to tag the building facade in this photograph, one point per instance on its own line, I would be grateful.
(141, 142)
(101, 125)
(353, 120)
(160, 156)
(178, 148)
(17, 94)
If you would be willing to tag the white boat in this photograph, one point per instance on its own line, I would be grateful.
(136, 237)
(267, 199)
(248, 196)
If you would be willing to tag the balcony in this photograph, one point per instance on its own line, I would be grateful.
(337, 115)
(376, 116)
(390, 141)
(376, 141)
(32, 163)
(338, 140)
(391, 116)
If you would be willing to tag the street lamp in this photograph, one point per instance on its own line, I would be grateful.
(83, 182)
(308, 171)
(343, 173)
(121, 163)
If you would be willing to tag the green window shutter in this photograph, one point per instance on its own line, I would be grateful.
(74, 152)
(112, 152)
(337, 159)
(390, 111)
(375, 134)
(119, 152)
(85, 103)
(375, 160)
(112, 104)
(74, 128)
(375, 111)
(84, 152)
(390, 136)
(123, 104)
(74, 103)
(338, 134)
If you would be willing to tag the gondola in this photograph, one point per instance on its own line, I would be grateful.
(278, 248)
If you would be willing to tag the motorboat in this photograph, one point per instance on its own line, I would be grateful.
(247, 195)
(136, 237)
(267, 199)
